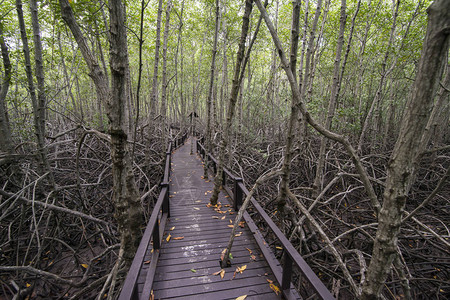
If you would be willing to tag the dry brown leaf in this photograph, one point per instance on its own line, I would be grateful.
(241, 224)
(268, 280)
(147, 262)
(178, 238)
(152, 296)
(250, 251)
(222, 274)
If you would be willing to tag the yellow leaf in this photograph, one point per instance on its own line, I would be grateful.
(215, 217)
(217, 273)
(172, 228)
(84, 266)
(196, 208)
(275, 288)
(222, 273)
(241, 269)
(238, 234)
(178, 238)
(231, 226)
(223, 218)
(241, 297)
(168, 237)
(28, 285)
(231, 222)
(198, 201)
(279, 248)
(250, 251)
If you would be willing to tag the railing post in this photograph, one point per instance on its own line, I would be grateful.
(166, 203)
(237, 191)
(155, 235)
(287, 272)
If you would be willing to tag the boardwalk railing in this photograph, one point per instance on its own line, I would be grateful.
(152, 234)
(292, 258)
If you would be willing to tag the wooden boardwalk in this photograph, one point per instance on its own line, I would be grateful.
(179, 254)
(198, 234)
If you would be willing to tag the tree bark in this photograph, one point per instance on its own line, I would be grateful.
(334, 94)
(125, 193)
(210, 94)
(404, 158)
(5, 129)
(239, 72)
(154, 95)
(164, 83)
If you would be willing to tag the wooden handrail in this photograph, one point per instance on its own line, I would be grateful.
(291, 254)
(152, 231)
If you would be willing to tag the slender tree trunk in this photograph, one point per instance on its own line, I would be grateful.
(5, 130)
(239, 72)
(384, 74)
(404, 158)
(210, 93)
(154, 95)
(164, 114)
(126, 197)
(334, 94)
(286, 168)
(38, 109)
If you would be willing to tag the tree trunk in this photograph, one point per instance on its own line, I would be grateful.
(210, 93)
(38, 104)
(5, 130)
(126, 197)
(239, 71)
(334, 94)
(404, 158)
(154, 95)
(164, 114)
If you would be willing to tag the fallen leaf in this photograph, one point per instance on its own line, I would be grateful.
(84, 266)
(147, 262)
(238, 234)
(28, 285)
(206, 193)
(253, 257)
(250, 251)
(222, 254)
(198, 201)
(241, 269)
(215, 217)
(172, 228)
(222, 273)
(195, 271)
(231, 222)
(231, 226)
(241, 224)
(279, 248)
(268, 280)
(227, 205)
(223, 218)
(178, 238)
(217, 273)
(152, 296)
(241, 297)
(196, 208)
(275, 288)
(168, 237)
